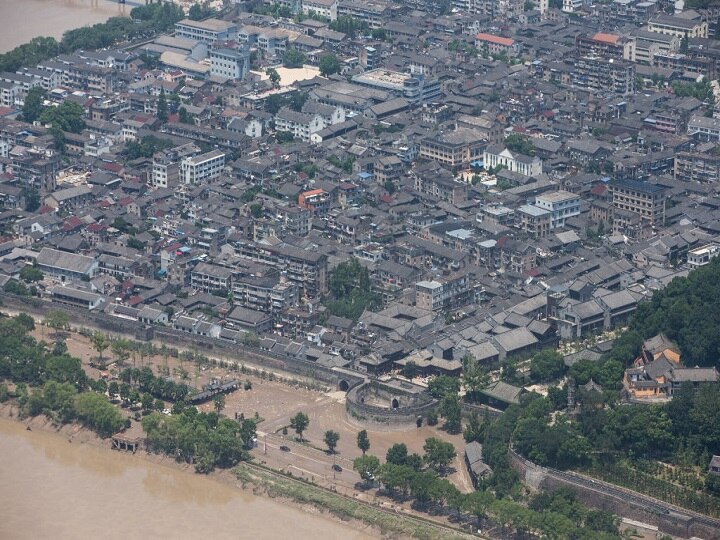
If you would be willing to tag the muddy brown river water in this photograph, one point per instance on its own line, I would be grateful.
(22, 20)
(51, 488)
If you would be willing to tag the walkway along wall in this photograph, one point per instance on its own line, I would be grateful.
(669, 519)
(174, 338)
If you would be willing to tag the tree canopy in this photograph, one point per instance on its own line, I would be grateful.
(688, 312)
(329, 64)
(69, 116)
(351, 290)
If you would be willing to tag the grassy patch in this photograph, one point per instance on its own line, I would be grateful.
(342, 507)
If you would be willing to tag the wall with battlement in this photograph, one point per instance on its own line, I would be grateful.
(364, 401)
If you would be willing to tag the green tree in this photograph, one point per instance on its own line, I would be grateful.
(331, 439)
(31, 274)
(293, 58)
(195, 12)
(148, 402)
(16, 287)
(363, 441)
(33, 104)
(97, 413)
(478, 503)
(397, 454)
(474, 377)
(329, 64)
(366, 467)
(410, 370)
(396, 477)
(547, 365)
(121, 350)
(274, 76)
(300, 423)
(185, 117)
(256, 210)
(519, 143)
(162, 105)
(451, 411)
(219, 403)
(444, 385)
(69, 116)
(273, 103)
(100, 343)
(351, 290)
(438, 453)
(32, 198)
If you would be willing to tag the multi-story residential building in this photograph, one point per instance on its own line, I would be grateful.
(516, 256)
(679, 26)
(704, 128)
(10, 94)
(689, 64)
(203, 168)
(317, 201)
(697, 167)
(229, 63)
(703, 255)
(313, 118)
(607, 46)
(561, 205)
(646, 200)
(270, 293)
(496, 214)
(534, 221)
(209, 277)
(441, 188)
(454, 148)
(498, 155)
(209, 30)
(490, 44)
(306, 268)
(323, 8)
(603, 74)
(416, 89)
(648, 44)
(370, 57)
(90, 77)
(166, 165)
(301, 125)
(448, 292)
(371, 12)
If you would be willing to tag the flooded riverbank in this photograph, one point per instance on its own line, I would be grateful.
(52, 488)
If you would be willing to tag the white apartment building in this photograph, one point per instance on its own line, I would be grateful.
(229, 63)
(561, 205)
(202, 168)
(703, 255)
(166, 165)
(209, 30)
(323, 8)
